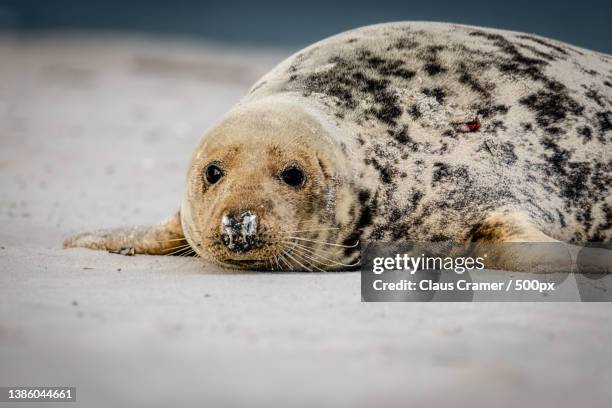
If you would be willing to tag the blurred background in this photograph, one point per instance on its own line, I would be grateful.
(294, 24)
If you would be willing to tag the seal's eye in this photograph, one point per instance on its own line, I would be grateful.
(293, 176)
(213, 173)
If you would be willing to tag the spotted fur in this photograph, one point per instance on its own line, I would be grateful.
(404, 94)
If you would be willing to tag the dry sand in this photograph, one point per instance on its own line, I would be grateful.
(97, 132)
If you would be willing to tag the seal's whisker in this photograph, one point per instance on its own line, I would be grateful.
(309, 259)
(176, 247)
(181, 249)
(187, 250)
(282, 258)
(299, 263)
(325, 242)
(292, 262)
(313, 253)
(167, 240)
(328, 251)
(270, 263)
(176, 252)
(280, 268)
(301, 255)
(314, 229)
(189, 253)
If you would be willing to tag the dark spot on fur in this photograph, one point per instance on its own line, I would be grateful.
(415, 199)
(449, 133)
(333, 83)
(399, 219)
(443, 149)
(433, 68)
(405, 44)
(537, 52)
(581, 184)
(397, 72)
(559, 157)
(497, 125)
(608, 84)
(403, 137)
(586, 133)
(595, 96)
(346, 81)
(443, 172)
(516, 63)
(415, 112)
(544, 43)
(605, 225)
(378, 233)
(434, 49)
(561, 218)
(363, 196)
(551, 105)
(387, 67)
(604, 125)
(439, 238)
(389, 111)
(437, 93)
(488, 111)
(466, 77)
(554, 130)
(386, 171)
(366, 216)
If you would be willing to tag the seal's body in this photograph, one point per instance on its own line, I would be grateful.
(402, 131)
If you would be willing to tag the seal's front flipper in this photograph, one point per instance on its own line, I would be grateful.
(164, 238)
(511, 242)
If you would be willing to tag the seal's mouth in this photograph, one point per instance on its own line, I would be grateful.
(246, 264)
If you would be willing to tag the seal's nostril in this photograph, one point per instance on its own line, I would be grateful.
(239, 230)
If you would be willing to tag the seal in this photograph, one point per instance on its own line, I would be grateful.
(398, 132)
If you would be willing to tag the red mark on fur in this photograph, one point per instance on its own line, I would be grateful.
(474, 125)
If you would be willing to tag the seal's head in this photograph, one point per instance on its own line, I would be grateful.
(266, 189)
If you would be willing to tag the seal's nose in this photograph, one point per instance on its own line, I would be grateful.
(239, 230)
